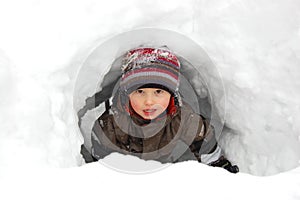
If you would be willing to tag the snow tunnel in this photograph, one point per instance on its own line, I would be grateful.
(201, 85)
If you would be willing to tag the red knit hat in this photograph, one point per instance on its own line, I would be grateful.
(150, 66)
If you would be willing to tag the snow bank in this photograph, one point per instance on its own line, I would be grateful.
(195, 181)
(259, 64)
(253, 44)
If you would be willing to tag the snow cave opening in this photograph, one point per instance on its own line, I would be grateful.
(101, 71)
(201, 86)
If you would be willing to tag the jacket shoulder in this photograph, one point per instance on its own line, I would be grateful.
(192, 121)
(105, 119)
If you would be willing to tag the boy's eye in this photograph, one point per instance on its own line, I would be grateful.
(159, 91)
(139, 91)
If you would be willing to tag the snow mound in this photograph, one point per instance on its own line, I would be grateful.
(180, 181)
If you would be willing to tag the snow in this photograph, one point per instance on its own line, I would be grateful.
(254, 48)
(183, 180)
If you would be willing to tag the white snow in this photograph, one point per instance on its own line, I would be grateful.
(254, 45)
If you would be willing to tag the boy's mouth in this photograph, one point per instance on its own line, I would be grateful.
(148, 112)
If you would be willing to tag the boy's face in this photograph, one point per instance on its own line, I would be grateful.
(149, 102)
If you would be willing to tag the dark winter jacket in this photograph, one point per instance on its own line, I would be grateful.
(169, 139)
(175, 137)
(179, 136)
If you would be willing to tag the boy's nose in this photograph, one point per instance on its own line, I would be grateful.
(149, 100)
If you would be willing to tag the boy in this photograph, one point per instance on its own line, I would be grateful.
(148, 119)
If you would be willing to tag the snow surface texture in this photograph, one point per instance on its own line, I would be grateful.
(254, 44)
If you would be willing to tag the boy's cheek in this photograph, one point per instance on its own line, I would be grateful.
(135, 106)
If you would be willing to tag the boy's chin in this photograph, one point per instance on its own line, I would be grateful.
(151, 117)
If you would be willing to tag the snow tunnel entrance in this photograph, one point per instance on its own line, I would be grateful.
(200, 83)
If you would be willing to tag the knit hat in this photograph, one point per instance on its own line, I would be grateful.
(150, 67)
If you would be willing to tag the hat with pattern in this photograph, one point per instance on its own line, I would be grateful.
(150, 67)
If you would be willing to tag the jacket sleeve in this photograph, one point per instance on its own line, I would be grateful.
(100, 147)
(98, 150)
(205, 146)
(206, 149)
